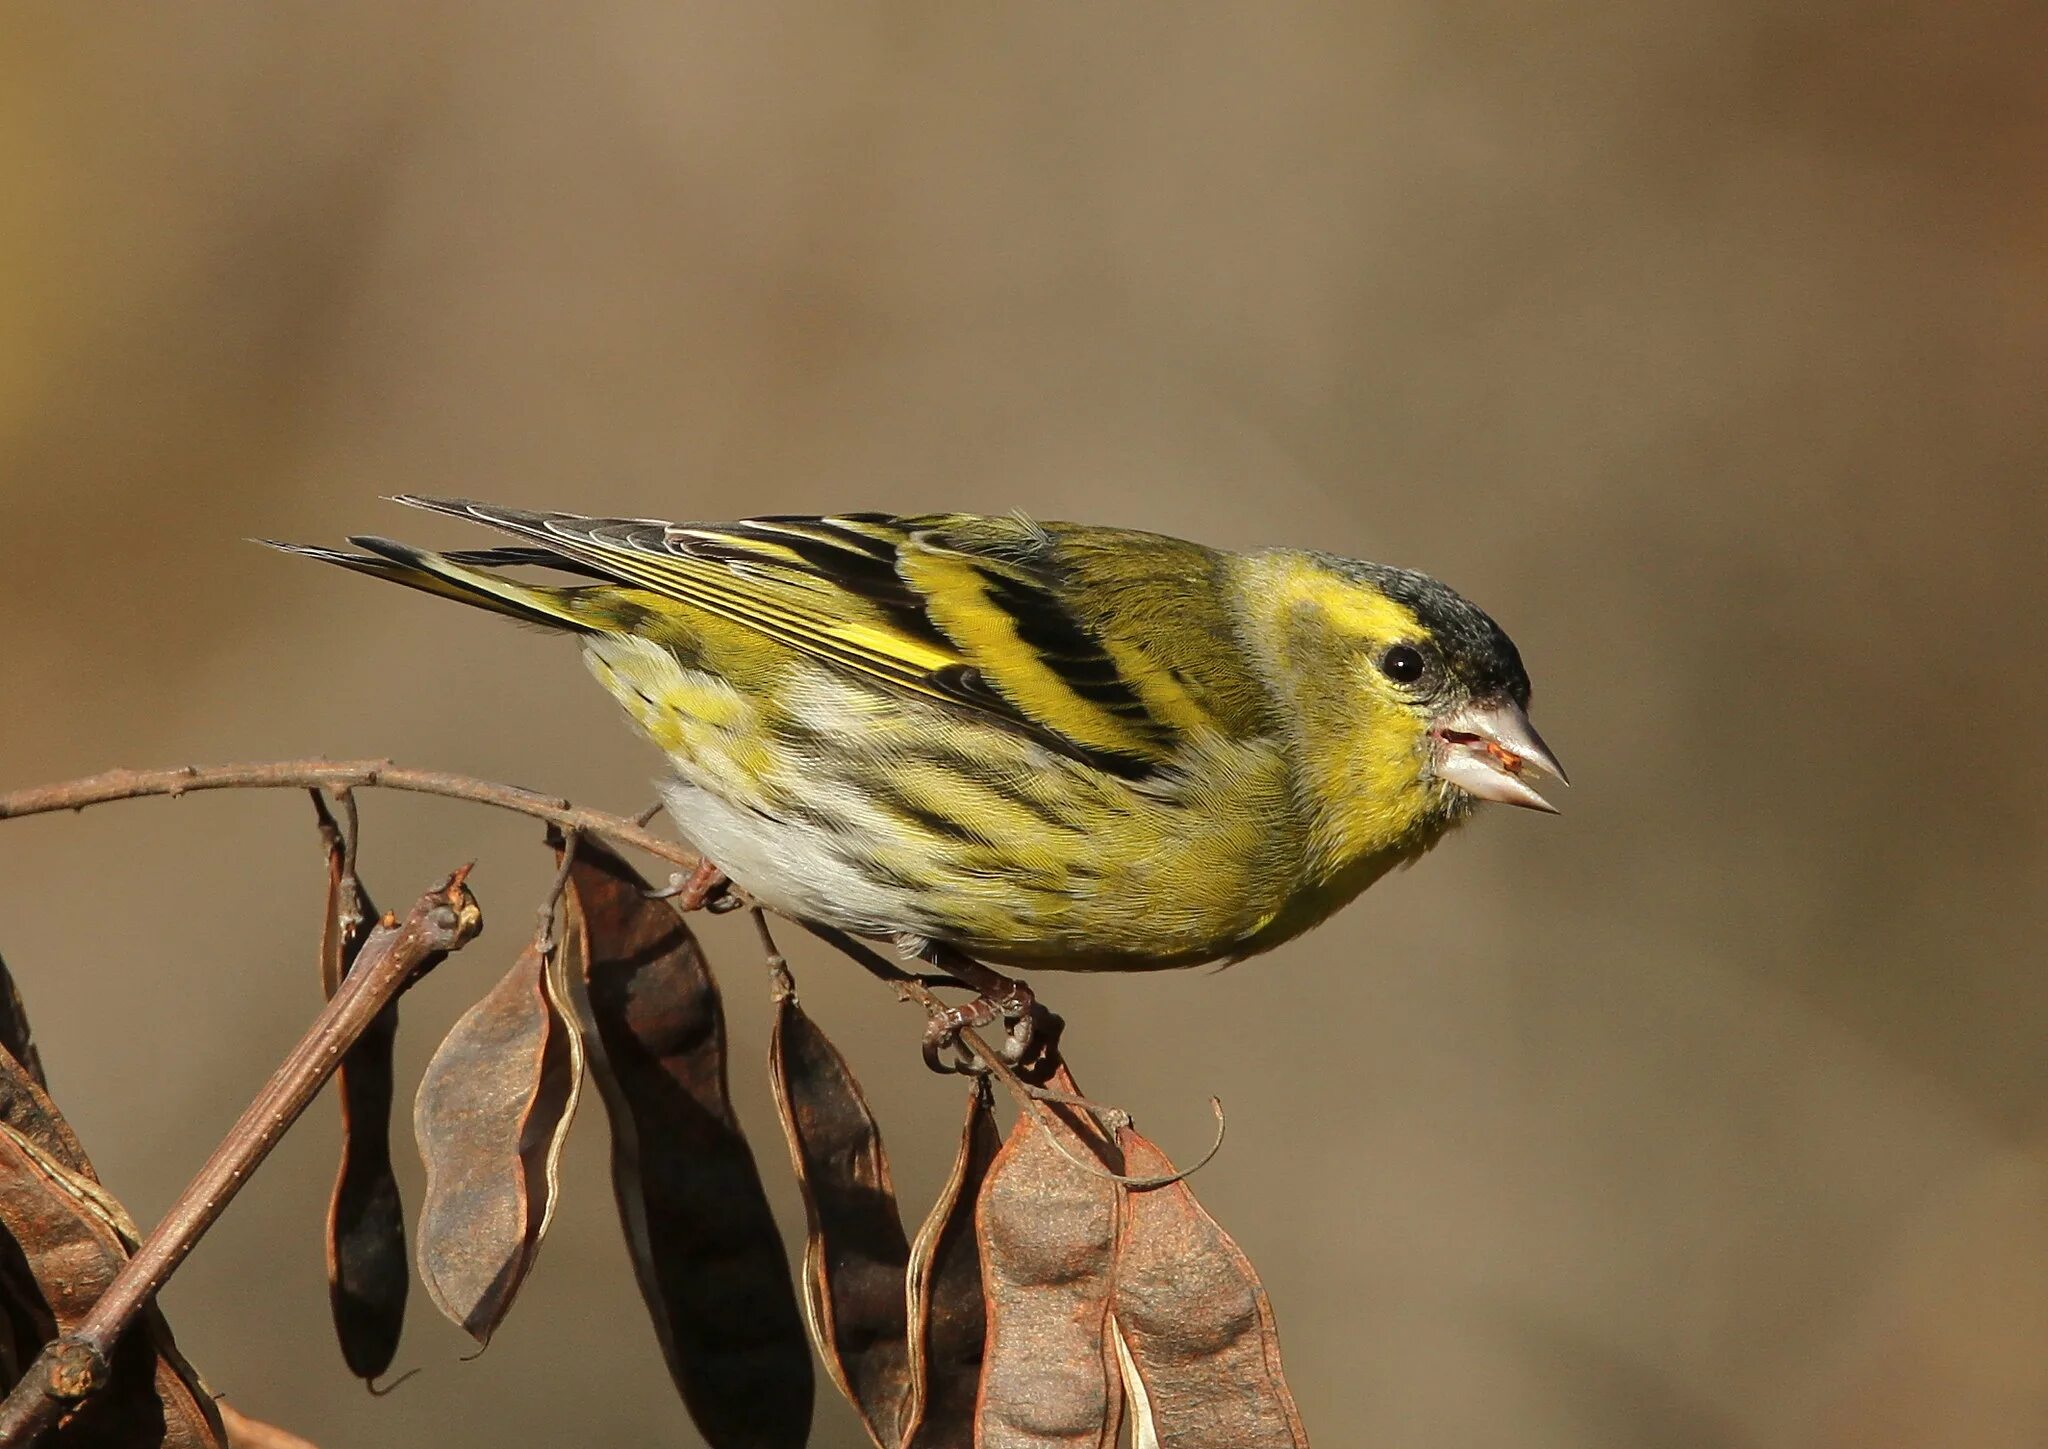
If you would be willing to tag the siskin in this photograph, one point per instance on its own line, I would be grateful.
(1038, 744)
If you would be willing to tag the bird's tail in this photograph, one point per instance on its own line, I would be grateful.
(464, 576)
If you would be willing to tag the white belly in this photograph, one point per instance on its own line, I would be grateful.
(793, 868)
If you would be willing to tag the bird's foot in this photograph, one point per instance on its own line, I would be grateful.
(707, 888)
(1030, 1032)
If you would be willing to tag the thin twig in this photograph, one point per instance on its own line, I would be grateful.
(781, 985)
(76, 1364)
(336, 841)
(340, 776)
(1043, 1101)
(544, 932)
(331, 841)
(351, 883)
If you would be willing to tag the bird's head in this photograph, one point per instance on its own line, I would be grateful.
(1409, 703)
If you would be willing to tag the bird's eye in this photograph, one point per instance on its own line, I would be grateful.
(1403, 664)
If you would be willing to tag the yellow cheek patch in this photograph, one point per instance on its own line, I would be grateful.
(1364, 743)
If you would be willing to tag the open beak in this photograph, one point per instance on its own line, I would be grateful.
(1484, 749)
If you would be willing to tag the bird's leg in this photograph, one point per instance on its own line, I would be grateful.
(707, 888)
(1000, 996)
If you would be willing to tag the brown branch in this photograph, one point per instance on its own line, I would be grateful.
(340, 776)
(76, 1364)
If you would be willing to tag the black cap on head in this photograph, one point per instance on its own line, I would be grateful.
(1476, 652)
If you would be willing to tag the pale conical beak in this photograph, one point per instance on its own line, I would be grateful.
(1483, 750)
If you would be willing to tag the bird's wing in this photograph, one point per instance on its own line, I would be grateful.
(994, 615)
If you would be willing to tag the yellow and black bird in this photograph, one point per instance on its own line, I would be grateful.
(989, 739)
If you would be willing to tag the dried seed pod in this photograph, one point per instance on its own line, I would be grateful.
(1048, 1233)
(856, 1256)
(86, 1250)
(948, 1313)
(67, 1238)
(705, 1248)
(15, 1037)
(493, 1111)
(24, 1103)
(1195, 1322)
(367, 1275)
(1137, 1398)
(191, 1412)
(27, 1109)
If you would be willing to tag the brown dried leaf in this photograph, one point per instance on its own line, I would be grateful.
(493, 1111)
(705, 1247)
(15, 1038)
(191, 1411)
(26, 1107)
(1195, 1322)
(948, 1314)
(27, 1308)
(857, 1256)
(62, 1241)
(1048, 1235)
(367, 1273)
(25, 1324)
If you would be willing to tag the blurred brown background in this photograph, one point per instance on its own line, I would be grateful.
(1704, 345)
